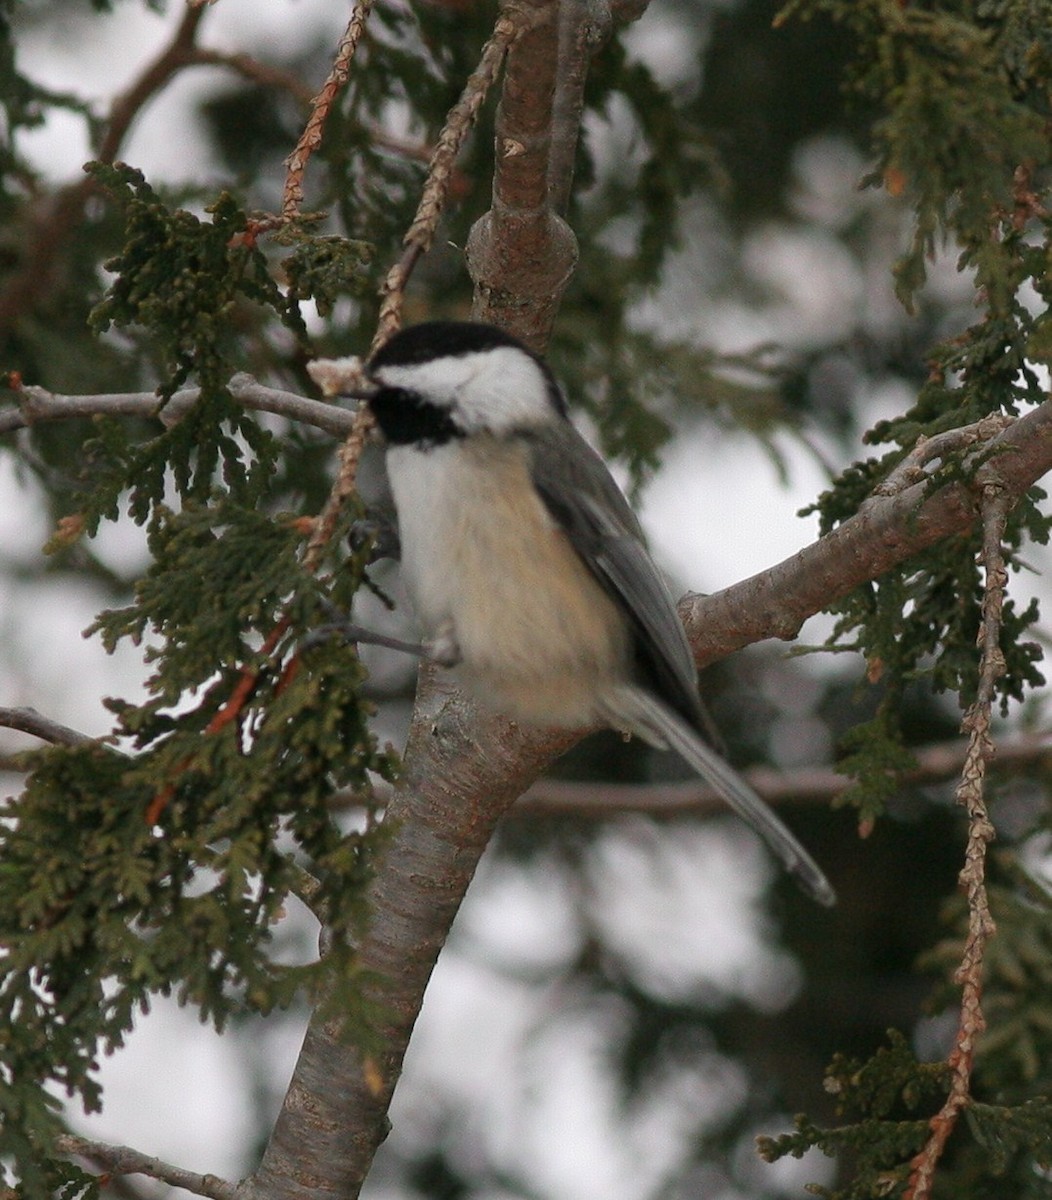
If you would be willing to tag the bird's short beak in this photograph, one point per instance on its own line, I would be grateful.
(366, 390)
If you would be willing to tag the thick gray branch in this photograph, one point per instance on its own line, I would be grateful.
(887, 531)
(462, 773)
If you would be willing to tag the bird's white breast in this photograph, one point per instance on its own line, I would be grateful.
(538, 636)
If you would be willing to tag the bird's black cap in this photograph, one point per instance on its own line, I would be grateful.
(441, 339)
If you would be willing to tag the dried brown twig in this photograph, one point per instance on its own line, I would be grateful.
(996, 503)
(310, 139)
(417, 241)
(912, 468)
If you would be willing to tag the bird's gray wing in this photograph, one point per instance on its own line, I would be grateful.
(663, 703)
(582, 497)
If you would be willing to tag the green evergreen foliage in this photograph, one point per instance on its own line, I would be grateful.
(162, 868)
(879, 1141)
(325, 268)
(963, 106)
(963, 122)
(179, 279)
(1003, 1145)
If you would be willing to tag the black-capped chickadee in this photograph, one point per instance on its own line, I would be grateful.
(526, 565)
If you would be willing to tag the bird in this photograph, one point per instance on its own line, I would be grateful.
(526, 566)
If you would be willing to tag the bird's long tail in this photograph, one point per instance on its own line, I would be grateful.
(654, 721)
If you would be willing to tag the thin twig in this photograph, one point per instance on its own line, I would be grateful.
(28, 720)
(926, 450)
(803, 785)
(38, 404)
(996, 503)
(310, 139)
(264, 74)
(123, 1160)
(344, 486)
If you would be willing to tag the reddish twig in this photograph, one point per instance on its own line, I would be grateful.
(246, 685)
(229, 711)
(996, 503)
(310, 139)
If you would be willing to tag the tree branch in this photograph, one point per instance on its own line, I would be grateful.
(996, 503)
(123, 1160)
(443, 815)
(38, 404)
(887, 531)
(263, 74)
(521, 254)
(584, 25)
(45, 238)
(176, 55)
(810, 785)
(28, 720)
